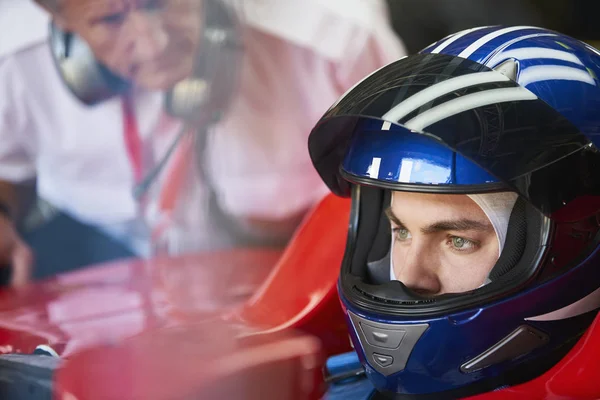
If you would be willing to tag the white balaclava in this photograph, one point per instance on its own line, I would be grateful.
(497, 207)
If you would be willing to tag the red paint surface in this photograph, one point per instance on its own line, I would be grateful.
(150, 329)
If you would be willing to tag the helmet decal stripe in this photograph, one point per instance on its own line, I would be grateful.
(373, 169)
(440, 89)
(466, 103)
(529, 53)
(451, 39)
(582, 306)
(540, 73)
(466, 53)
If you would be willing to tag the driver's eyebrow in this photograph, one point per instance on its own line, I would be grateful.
(461, 224)
(392, 217)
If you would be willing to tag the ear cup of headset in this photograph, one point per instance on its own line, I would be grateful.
(204, 96)
(83, 75)
(201, 98)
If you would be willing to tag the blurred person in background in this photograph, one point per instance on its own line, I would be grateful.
(257, 181)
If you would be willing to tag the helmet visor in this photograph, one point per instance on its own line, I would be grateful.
(435, 122)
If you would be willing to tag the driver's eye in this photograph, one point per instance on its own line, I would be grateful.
(402, 234)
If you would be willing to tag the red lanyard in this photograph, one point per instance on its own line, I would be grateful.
(133, 141)
(177, 171)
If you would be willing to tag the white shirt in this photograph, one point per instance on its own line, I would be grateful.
(300, 57)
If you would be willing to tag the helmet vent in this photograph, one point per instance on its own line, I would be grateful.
(508, 68)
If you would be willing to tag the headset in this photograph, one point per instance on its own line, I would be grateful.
(199, 101)
(200, 98)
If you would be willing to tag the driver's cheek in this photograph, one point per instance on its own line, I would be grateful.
(457, 272)
(464, 272)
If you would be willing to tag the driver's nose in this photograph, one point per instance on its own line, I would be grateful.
(416, 267)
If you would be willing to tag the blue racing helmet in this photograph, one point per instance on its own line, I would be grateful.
(491, 109)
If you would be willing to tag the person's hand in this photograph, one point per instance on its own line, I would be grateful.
(14, 253)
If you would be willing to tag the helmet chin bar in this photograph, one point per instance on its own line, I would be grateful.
(386, 346)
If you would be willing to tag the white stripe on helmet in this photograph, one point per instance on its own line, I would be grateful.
(466, 103)
(452, 38)
(473, 47)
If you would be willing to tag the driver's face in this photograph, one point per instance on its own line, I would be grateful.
(151, 42)
(441, 243)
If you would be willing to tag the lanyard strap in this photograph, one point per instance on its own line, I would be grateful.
(133, 141)
(180, 155)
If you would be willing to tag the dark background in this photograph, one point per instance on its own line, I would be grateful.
(422, 22)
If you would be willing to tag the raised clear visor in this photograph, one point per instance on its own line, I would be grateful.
(393, 154)
(443, 122)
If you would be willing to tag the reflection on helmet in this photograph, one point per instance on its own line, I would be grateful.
(473, 169)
